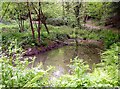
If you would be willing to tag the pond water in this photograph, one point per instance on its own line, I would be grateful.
(60, 57)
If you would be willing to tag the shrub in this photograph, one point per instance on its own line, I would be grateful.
(109, 37)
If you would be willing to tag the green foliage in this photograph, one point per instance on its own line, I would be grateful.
(97, 9)
(109, 37)
(94, 10)
(16, 72)
(4, 26)
(57, 33)
(13, 10)
(24, 39)
(110, 64)
(105, 74)
(115, 8)
(52, 10)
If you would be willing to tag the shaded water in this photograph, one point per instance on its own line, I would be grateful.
(60, 57)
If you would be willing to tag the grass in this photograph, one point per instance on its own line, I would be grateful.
(11, 26)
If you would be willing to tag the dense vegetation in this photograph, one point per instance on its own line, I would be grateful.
(39, 25)
(105, 74)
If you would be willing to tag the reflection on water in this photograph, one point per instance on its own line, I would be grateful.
(60, 58)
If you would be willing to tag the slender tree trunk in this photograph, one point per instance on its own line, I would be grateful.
(42, 18)
(85, 17)
(77, 13)
(46, 28)
(5, 11)
(39, 24)
(63, 9)
(22, 28)
(22, 21)
(33, 35)
(19, 20)
(21, 25)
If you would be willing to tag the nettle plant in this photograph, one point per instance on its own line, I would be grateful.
(104, 74)
(15, 72)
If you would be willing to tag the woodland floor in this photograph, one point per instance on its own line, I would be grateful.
(93, 25)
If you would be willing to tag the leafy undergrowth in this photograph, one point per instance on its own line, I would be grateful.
(58, 33)
(105, 74)
(15, 73)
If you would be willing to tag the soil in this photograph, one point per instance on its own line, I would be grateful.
(42, 49)
(92, 25)
(57, 44)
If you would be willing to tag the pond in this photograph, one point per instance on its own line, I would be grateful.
(60, 58)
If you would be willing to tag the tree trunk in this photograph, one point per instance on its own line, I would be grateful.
(63, 9)
(77, 13)
(42, 18)
(39, 24)
(5, 11)
(21, 25)
(33, 35)
(46, 28)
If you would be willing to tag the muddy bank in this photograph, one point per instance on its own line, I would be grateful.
(88, 42)
(57, 44)
(42, 49)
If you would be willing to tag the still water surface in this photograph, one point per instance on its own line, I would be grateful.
(60, 58)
